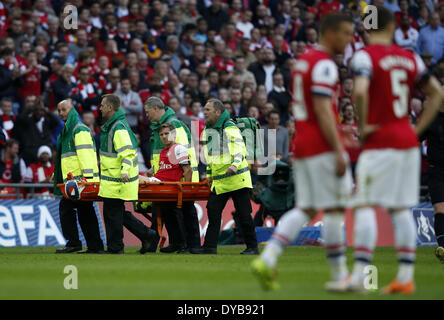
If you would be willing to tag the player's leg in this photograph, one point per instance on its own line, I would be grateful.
(288, 228)
(332, 195)
(404, 223)
(365, 236)
(439, 229)
(436, 190)
(376, 179)
(405, 242)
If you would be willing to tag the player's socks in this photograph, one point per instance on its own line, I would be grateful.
(288, 228)
(405, 241)
(333, 234)
(439, 228)
(365, 234)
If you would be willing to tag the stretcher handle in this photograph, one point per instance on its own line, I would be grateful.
(179, 195)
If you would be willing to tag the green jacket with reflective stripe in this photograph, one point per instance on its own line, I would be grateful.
(76, 152)
(183, 136)
(225, 147)
(118, 155)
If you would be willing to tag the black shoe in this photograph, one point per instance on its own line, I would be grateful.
(69, 250)
(149, 242)
(208, 251)
(184, 251)
(114, 252)
(88, 251)
(154, 243)
(171, 248)
(195, 250)
(188, 250)
(250, 251)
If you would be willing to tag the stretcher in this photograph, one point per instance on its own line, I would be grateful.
(151, 191)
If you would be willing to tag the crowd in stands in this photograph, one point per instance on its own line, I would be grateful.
(182, 51)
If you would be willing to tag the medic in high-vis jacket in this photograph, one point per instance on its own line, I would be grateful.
(228, 175)
(77, 157)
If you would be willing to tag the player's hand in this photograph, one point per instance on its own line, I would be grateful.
(231, 170)
(124, 177)
(367, 130)
(341, 164)
(150, 172)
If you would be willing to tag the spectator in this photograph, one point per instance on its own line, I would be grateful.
(230, 36)
(85, 95)
(431, 38)
(244, 25)
(31, 76)
(197, 57)
(109, 29)
(80, 45)
(253, 112)
(216, 16)
(263, 70)
(406, 36)
(190, 14)
(244, 51)
(202, 30)
(294, 24)
(239, 110)
(423, 16)
(392, 5)
(15, 31)
(281, 144)
(280, 97)
(247, 96)
(42, 170)
(7, 118)
(349, 127)
(241, 71)
(123, 37)
(29, 32)
(347, 87)
(12, 167)
(204, 91)
(186, 40)
(169, 30)
(131, 103)
(64, 85)
(172, 46)
(280, 50)
(33, 129)
(9, 74)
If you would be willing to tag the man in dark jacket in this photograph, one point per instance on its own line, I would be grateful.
(9, 75)
(62, 87)
(216, 17)
(33, 129)
(280, 97)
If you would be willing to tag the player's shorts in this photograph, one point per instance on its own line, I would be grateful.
(435, 181)
(388, 177)
(317, 186)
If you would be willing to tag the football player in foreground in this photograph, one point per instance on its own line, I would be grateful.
(388, 169)
(322, 175)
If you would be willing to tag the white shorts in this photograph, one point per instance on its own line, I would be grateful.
(388, 178)
(316, 183)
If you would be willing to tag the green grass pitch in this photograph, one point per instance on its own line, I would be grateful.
(38, 273)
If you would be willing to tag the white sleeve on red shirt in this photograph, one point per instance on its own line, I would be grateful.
(181, 155)
(421, 68)
(324, 78)
(362, 64)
